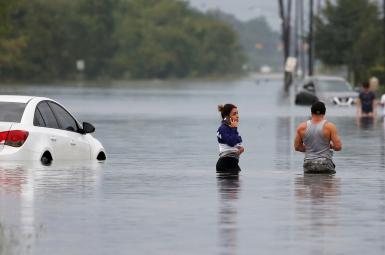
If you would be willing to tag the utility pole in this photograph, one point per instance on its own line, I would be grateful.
(296, 28)
(318, 7)
(311, 43)
(383, 19)
(285, 15)
(288, 28)
(283, 24)
(303, 40)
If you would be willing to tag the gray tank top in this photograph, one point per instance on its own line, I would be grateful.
(316, 145)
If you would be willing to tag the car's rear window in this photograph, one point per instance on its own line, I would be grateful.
(11, 111)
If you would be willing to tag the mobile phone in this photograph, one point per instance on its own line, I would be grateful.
(227, 120)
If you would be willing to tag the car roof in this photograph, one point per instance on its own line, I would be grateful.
(325, 78)
(18, 99)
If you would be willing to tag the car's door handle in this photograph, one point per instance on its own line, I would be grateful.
(53, 138)
(72, 143)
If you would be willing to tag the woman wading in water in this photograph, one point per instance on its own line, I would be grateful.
(230, 142)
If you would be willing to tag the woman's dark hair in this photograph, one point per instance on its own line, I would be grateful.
(365, 84)
(225, 109)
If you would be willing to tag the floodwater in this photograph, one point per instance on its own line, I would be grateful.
(158, 192)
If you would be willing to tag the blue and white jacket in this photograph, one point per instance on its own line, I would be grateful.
(228, 139)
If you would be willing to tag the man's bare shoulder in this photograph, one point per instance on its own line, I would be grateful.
(302, 127)
(330, 126)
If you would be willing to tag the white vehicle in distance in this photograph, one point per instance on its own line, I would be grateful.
(38, 128)
(329, 89)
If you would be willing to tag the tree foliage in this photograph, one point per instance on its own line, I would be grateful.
(10, 45)
(257, 39)
(350, 33)
(116, 39)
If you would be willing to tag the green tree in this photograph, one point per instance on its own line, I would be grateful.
(53, 35)
(150, 43)
(165, 38)
(43, 29)
(94, 33)
(115, 38)
(10, 44)
(349, 33)
(251, 33)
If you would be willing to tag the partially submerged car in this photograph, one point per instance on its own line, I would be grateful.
(329, 89)
(38, 128)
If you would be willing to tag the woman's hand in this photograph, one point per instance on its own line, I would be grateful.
(233, 123)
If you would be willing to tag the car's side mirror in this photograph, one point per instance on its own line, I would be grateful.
(87, 128)
(309, 87)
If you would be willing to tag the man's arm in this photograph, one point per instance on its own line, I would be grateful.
(298, 143)
(382, 100)
(334, 137)
(358, 107)
(374, 107)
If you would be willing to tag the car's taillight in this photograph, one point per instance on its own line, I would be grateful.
(14, 138)
(3, 136)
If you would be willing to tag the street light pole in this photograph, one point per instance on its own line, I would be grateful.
(383, 19)
(296, 28)
(285, 18)
(318, 7)
(311, 48)
(303, 39)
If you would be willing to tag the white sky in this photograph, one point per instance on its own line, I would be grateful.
(243, 9)
(248, 9)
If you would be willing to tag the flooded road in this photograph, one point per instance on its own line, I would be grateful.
(158, 193)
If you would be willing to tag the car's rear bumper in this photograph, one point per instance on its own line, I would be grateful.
(18, 153)
(342, 101)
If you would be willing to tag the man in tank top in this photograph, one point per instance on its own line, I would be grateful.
(317, 138)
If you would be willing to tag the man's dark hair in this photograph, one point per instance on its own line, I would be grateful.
(318, 108)
(365, 85)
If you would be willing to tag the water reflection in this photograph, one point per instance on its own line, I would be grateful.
(20, 183)
(317, 197)
(382, 144)
(16, 184)
(228, 189)
(366, 122)
(317, 187)
(284, 141)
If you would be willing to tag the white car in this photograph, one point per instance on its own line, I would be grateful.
(38, 128)
(329, 89)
